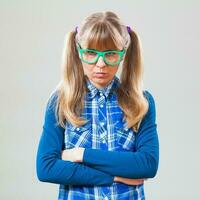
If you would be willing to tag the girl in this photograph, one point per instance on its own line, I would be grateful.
(99, 138)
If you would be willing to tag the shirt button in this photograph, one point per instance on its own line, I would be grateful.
(77, 129)
(104, 141)
(101, 93)
(101, 105)
(101, 136)
(102, 123)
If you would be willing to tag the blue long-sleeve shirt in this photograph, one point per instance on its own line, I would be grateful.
(130, 155)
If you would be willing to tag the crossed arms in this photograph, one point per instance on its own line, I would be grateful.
(94, 166)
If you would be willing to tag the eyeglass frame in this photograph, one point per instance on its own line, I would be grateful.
(100, 53)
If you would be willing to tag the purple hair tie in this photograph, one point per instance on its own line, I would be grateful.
(76, 29)
(128, 29)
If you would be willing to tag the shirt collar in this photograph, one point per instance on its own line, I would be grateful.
(106, 90)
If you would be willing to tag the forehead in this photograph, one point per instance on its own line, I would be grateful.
(100, 40)
(101, 45)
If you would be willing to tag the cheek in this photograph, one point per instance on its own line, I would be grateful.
(114, 70)
(87, 68)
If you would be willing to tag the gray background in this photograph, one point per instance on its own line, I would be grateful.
(31, 42)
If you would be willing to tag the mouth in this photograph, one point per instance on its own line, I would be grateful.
(100, 74)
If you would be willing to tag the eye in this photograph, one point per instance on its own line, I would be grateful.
(90, 53)
(111, 54)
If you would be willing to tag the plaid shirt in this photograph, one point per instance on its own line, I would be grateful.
(105, 129)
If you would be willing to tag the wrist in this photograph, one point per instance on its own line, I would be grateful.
(81, 152)
(116, 179)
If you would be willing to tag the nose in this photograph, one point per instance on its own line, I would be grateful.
(100, 62)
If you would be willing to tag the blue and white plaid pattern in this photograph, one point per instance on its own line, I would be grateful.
(106, 130)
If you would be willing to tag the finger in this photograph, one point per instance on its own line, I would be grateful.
(136, 182)
(62, 154)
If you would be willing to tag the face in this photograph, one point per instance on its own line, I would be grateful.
(99, 73)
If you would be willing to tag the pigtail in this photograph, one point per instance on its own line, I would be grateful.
(70, 104)
(130, 94)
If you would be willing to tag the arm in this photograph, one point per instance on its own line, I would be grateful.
(51, 168)
(76, 155)
(140, 164)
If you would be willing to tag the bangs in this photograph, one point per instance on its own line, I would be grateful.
(99, 37)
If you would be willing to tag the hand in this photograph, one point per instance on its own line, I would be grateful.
(129, 181)
(73, 155)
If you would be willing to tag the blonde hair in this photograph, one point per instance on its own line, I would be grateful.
(101, 30)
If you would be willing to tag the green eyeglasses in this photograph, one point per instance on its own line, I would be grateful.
(110, 57)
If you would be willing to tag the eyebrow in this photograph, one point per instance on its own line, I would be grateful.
(104, 50)
(98, 50)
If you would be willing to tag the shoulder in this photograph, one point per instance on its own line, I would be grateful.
(52, 100)
(149, 118)
(149, 96)
(151, 104)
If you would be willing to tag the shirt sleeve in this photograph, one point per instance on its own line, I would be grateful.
(142, 163)
(49, 165)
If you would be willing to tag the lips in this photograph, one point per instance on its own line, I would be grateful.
(100, 74)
